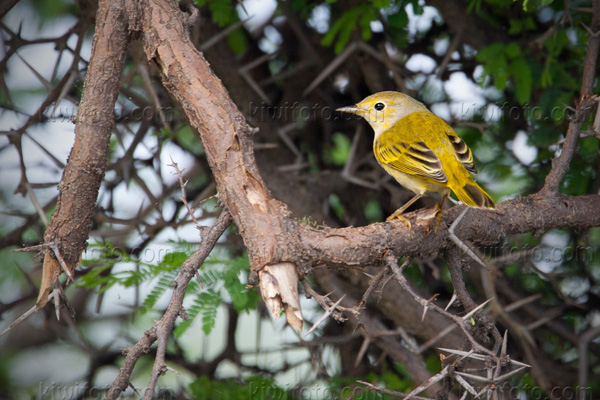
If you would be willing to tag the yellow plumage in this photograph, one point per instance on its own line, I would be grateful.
(420, 150)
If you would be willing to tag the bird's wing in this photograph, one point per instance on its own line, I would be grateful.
(462, 151)
(409, 158)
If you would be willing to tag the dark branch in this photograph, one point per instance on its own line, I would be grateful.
(560, 165)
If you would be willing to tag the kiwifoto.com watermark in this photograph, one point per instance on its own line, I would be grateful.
(264, 391)
(77, 390)
(511, 253)
(289, 112)
(541, 253)
(491, 112)
(117, 254)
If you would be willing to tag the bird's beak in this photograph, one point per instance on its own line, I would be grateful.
(351, 110)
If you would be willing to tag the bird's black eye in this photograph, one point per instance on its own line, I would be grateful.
(379, 106)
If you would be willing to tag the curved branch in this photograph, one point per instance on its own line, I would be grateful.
(227, 138)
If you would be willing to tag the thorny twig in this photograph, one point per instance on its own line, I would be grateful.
(162, 329)
(183, 184)
(392, 263)
(325, 302)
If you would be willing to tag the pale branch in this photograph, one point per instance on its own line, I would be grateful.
(392, 392)
(183, 183)
(162, 329)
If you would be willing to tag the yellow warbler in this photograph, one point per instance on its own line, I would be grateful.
(420, 151)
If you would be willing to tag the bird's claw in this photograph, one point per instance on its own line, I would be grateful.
(401, 218)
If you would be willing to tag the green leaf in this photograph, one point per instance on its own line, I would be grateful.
(336, 205)
(515, 26)
(474, 5)
(433, 363)
(339, 152)
(163, 284)
(398, 20)
(512, 50)
(343, 28)
(521, 73)
(173, 260)
(529, 24)
(333, 30)
(206, 303)
(373, 211)
(209, 311)
(555, 44)
(237, 41)
(241, 298)
(222, 11)
(588, 148)
(546, 78)
(490, 52)
(365, 23)
(201, 388)
(381, 3)
(49, 10)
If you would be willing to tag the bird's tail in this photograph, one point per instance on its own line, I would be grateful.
(474, 196)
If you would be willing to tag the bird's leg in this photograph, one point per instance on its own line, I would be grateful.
(440, 208)
(398, 213)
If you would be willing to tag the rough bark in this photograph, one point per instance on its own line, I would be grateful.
(78, 188)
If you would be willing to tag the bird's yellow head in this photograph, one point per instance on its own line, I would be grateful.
(382, 110)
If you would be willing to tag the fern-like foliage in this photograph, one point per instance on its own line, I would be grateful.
(161, 286)
(223, 279)
(102, 276)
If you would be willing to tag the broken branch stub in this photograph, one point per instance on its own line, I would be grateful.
(279, 290)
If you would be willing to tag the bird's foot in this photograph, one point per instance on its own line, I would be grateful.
(438, 216)
(401, 217)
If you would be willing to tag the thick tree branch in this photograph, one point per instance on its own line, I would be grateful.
(359, 247)
(78, 188)
(227, 139)
(225, 135)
